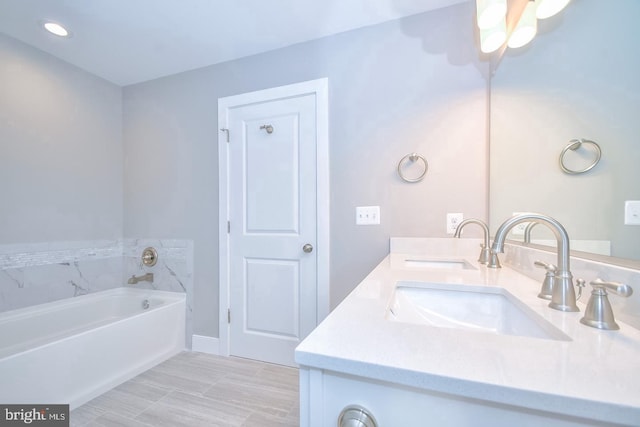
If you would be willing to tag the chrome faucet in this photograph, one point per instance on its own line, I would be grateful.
(563, 296)
(144, 278)
(484, 252)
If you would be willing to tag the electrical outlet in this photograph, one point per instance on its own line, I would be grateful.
(453, 219)
(518, 229)
(368, 215)
(632, 212)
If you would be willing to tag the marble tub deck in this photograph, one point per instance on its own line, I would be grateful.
(197, 389)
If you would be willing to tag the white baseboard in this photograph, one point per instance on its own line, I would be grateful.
(204, 344)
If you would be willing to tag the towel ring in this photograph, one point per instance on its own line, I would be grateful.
(413, 157)
(573, 145)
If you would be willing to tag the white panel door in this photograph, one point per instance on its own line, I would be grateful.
(272, 210)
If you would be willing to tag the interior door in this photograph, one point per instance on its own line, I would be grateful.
(272, 234)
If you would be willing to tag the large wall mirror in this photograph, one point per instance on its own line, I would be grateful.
(580, 78)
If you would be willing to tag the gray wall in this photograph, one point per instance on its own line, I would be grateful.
(60, 150)
(395, 88)
(578, 79)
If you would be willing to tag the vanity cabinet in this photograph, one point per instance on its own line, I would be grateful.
(324, 394)
(415, 373)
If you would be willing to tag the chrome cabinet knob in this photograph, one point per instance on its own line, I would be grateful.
(356, 416)
(308, 248)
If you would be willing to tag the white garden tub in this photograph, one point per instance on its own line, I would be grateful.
(70, 351)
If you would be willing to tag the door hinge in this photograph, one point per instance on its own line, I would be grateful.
(228, 315)
(228, 227)
(227, 132)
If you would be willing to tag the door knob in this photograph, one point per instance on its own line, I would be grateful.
(307, 248)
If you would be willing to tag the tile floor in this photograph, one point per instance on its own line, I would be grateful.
(199, 390)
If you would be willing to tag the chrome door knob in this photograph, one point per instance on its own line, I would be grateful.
(307, 248)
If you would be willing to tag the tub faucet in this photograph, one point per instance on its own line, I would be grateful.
(144, 278)
(563, 297)
(485, 251)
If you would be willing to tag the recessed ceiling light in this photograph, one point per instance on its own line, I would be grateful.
(57, 29)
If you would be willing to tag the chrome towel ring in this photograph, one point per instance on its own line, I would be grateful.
(573, 145)
(412, 158)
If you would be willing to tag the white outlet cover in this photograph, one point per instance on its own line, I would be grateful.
(632, 212)
(518, 230)
(453, 219)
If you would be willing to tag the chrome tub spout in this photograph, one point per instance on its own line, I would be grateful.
(144, 278)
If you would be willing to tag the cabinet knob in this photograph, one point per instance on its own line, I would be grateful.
(356, 416)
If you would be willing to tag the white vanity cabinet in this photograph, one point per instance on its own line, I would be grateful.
(407, 373)
(324, 395)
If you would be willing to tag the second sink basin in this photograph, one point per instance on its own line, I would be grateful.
(476, 308)
(447, 264)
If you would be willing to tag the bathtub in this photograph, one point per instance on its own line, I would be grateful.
(70, 351)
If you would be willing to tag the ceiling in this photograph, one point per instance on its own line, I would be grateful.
(130, 41)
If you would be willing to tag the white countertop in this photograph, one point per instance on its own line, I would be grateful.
(594, 375)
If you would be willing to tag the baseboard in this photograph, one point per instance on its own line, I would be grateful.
(204, 344)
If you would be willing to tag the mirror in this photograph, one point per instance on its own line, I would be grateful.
(577, 79)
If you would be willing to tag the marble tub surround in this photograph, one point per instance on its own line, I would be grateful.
(592, 376)
(37, 273)
(173, 272)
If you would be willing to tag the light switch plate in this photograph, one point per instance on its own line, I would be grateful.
(632, 212)
(367, 215)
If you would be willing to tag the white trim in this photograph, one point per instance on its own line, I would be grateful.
(203, 344)
(320, 88)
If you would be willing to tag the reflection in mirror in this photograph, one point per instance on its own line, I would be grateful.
(577, 79)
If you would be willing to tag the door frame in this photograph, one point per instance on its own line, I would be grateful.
(320, 88)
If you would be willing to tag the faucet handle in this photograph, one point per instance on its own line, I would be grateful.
(580, 283)
(599, 313)
(546, 292)
(549, 267)
(617, 288)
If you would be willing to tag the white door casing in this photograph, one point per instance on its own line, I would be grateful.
(274, 188)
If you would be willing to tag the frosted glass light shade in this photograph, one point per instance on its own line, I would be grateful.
(548, 8)
(493, 38)
(526, 28)
(490, 12)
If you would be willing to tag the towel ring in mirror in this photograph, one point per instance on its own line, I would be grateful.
(573, 145)
(409, 159)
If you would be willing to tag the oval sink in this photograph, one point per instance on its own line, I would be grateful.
(475, 308)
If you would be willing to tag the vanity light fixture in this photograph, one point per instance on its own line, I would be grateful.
(526, 28)
(548, 8)
(57, 29)
(490, 13)
(492, 39)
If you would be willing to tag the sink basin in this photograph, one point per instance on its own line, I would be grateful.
(476, 308)
(447, 264)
